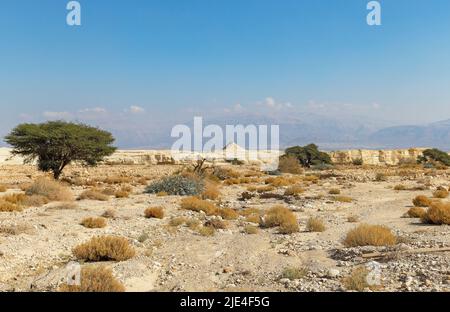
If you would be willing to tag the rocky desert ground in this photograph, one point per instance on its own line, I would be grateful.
(176, 248)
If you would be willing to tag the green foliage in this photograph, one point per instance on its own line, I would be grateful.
(177, 185)
(434, 154)
(55, 144)
(308, 155)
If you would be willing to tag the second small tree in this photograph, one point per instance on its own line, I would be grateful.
(55, 144)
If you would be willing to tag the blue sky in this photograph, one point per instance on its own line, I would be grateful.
(139, 60)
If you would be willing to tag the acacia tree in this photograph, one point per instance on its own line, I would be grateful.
(308, 155)
(55, 144)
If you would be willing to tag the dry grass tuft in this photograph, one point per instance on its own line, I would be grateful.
(294, 190)
(416, 212)
(441, 193)
(422, 201)
(95, 279)
(154, 212)
(290, 164)
(250, 229)
(352, 219)
(343, 199)
(3, 188)
(282, 217)
(104, 248)
(122, 193)
(16, 229)
(109, 214)
(162, 194)
(370, 235)
(177, 221)
(53, 190)
(357, 280)
(117, 180)
(438, 213)
(293, 273)
(93, 194)
(228, 213)
(216, 224)
(211, 191)
(334, 191)
(6, 206)
(94, 222)
(315, 225)
(195, 204)
(206, 231)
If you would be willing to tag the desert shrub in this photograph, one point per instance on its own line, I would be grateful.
(104, 248)
(400, 187)
(308, 155)
(434, 154)
(370, 235)
(177, 221)
(250, 229)
(55, 144)
(421, 201)
(109, 214)
(357, 280)
(282, 217)
(358, 162)
(289, 164)
(52, 190)
(294, 190)
(293, 273)
(343, 199)
(177, 185)
(95, 279)
(334, 191)
(281, 181)
(380, 177)
(223, 173)
(196, 204)
(154, 212)
(110, 191)
(93, 194)
(246, 196)
(216, 224)
(264, 189)
(93, 222)
(352, 219)
(440, 193)
(416, 212)
(227, 213)
(16, 229)
(438, 213)
(35, 201)
(122, 193)
(3, 188)
(310, 178)
(211, 191)
(206, 230)
(315, 225)
(117, 180)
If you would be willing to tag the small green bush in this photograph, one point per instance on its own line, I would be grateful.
(177, 185)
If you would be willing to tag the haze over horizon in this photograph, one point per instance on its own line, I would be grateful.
(137, 68)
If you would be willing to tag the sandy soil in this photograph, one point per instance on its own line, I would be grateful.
(179, 259)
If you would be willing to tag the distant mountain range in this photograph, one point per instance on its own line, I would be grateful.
(330, 133)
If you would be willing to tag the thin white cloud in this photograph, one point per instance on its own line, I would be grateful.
(93, 110)
(57, 115)
(134, 109)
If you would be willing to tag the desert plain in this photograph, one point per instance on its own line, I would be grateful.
(179, 249)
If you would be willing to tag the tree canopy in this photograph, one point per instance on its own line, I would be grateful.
(308, 155)
(55, 144)
(435, 155)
